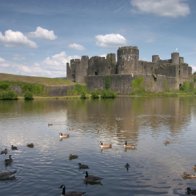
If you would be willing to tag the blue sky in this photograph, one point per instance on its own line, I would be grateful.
(38, 37)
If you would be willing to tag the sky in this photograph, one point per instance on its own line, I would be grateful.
(38, 37)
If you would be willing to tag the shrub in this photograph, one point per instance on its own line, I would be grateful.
(4, 86)
(107, 94)
(28, 96)
(187, 87)
(8, 95)
(83, 95)
(137, 86)
(95, 95)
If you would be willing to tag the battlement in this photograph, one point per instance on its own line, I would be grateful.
(128, 63)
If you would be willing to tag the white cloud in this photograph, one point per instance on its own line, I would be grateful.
(76, 46)
(168, 8)
(15, 38)
(109, 40)
(43, 33)
(3, 63)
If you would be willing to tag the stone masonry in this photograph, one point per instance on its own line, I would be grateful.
(159, 75)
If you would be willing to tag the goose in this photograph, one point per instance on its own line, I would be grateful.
(63, 135)
(189, 191)
(188, 176)
(14, 147)
(127, 166)
(92, 179)
(194, 167)
(70, 193)
(73, 156)
(30, 145)
(129, 146)
(83, 166)
(5, 151)
(9, 160)
(7, 175)
(105, 146)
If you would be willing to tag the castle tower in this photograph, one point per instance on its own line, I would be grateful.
(81, 69)
(175, 58)
(127, 60)
(111, 59)
(155, 58)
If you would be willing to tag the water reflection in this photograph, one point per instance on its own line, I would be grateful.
(153, 168)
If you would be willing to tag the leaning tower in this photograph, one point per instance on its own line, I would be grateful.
(127, 60)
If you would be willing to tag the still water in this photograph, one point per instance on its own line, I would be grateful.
(155, 168)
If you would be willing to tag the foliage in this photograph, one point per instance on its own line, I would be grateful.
(107, 82)
(83, 95)
(108, 94)
(95, 94)
(28, 96)
(8, 95)
(78, 90)
(36, 89)
(187, 87)
(137, 86)
(4, 86)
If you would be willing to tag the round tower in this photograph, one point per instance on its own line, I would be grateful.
(127, 59)
(175, 58)
(155, 58)
(181, 60)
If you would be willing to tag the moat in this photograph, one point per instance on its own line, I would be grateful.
(155, 168)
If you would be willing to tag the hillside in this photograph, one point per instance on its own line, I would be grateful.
(35, 80)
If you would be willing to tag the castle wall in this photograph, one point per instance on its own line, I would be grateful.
(122, 83)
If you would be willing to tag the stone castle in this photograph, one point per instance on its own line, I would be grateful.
(159, 75)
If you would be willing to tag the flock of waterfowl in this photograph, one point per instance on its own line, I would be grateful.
(10, 174)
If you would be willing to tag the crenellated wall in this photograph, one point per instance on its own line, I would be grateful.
(122, 70)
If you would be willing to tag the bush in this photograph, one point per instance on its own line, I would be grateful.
(137, 86)
(107, 94)
(4, 86)
(187, 87)
(83, 95)
(95, 95)
(8, 95)
(28, 96)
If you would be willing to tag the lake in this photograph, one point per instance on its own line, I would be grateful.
(155, 168)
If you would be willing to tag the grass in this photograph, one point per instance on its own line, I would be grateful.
(35, 80)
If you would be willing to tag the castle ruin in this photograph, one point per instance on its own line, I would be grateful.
(159, 75)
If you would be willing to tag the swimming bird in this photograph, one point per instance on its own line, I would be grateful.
(92, 179)
(5, 151)
(83, 166)
(188, 176)
(14, 147)
(7, 175)
(105, 146)
(9, 160)
(70, 193)
(73, 156)
(166, 142)
(189, 191)
(129, 146)
(30, 145)
(63, 135)
(50, 124)
(127, 166)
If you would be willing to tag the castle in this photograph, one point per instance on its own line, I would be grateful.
(159, 75)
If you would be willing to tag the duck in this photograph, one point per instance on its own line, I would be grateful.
(189, 191)
(9, 160)
(194, 167)
(73, 156)
(30, 145)
(127, 166)
(91, 179)
(129, 146)
(166, 142)
(7, 175)
(5, 151)
(188, 176)
(50, 124)
(83, 166)
(105, 146)
(70, 193)
(14, 147)
(63, 135)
